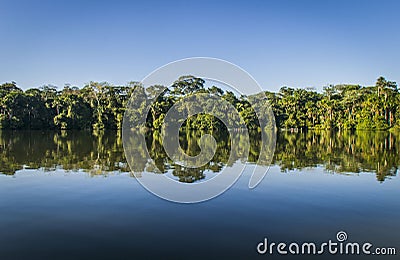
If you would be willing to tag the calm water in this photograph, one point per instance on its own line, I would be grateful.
(70, 195)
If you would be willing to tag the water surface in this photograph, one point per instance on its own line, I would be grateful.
(70, 195)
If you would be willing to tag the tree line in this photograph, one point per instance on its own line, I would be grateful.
(102, 106)
(339, 107)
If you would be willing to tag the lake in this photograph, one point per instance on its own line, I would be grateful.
(69, 195)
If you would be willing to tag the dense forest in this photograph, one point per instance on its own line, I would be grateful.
(102, 106)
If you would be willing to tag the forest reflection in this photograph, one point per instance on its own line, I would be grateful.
(102, 153)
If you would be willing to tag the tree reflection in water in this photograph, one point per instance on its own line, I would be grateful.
(102, 153)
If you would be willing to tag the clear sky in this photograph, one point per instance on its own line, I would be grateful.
(293, 43)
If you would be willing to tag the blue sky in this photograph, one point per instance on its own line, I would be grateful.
(293, 43)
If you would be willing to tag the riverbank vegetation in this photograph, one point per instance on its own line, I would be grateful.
(102, 106)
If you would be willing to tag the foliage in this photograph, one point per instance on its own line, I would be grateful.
(338, 107)
(102, 106)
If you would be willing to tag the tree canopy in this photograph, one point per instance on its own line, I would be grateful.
(100, 105)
